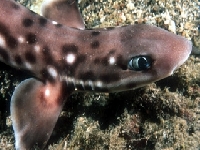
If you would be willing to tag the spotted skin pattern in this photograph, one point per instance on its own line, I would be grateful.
(64, 59)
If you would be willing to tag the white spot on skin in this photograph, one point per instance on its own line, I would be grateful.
(99, 84)
(82, 83)
(112, 60)
(2, 41)
(52, 72)
(69, 80)
(37, 48)
(54, 22)
(70, 58)
(21, 39)
(28, 65)
(47, 92)
(90, 83)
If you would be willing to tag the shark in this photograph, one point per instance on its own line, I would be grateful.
(63, 57)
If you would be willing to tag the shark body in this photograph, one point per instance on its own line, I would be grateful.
(64, 58)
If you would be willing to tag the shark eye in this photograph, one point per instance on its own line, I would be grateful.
(140, 63)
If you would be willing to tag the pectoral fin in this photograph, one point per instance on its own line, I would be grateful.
(35, 107)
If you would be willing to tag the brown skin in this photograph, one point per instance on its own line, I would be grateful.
(62, 59)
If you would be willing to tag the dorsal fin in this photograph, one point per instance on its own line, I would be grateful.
(65, 12)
